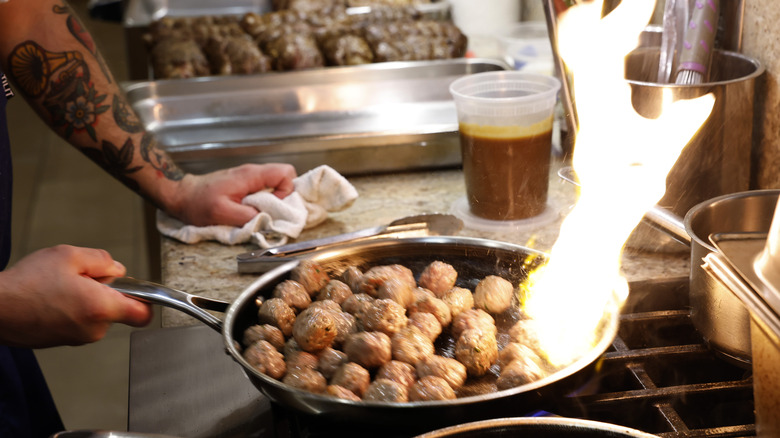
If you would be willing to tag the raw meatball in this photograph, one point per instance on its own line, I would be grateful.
(357, 304)
(335, 290)
(307, 379)
(353, 377)
(264, 332)
(477, 350)
(459, 299)
(383, 390)
(519, 372)
(346, 324)
(397, 371)
(301, 359)
(376, 276)
(370, 349)
(339, 392)
(398, 290)
(473, 319)
(291, 347)
(384, 316)
(276, 312)
(438, 277)
(330, 360)
(431, 388)
(265, 358)
(410, 345)
(314, 329)
(311, 275)
(352, 277)
(447, 368)
(292, 293)
(427, 323)
(436, 307)
(493, 294)
(329, 305)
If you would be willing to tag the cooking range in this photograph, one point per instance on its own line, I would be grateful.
(659, 377)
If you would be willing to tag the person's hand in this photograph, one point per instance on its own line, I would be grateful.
(52, 297)
(215, 198)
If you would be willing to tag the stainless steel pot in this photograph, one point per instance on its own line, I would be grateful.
(536, 427)
(722, 319)
(472, 258)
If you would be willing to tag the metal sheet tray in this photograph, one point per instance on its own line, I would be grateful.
(376, 117)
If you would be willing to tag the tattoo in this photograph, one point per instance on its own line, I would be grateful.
(116, 161)
(82, 36)
(159, 160)
(124, 115)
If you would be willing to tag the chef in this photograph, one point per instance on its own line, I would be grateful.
(53, 296)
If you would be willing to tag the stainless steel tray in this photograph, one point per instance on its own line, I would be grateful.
(369, 118)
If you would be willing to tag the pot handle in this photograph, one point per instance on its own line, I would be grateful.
(155, 293)
(664, 220)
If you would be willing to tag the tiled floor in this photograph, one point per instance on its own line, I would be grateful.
(61, 197)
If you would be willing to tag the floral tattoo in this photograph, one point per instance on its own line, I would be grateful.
(82, 36)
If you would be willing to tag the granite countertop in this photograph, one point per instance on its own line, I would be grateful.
(209, 269)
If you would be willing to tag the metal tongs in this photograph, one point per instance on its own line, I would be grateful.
(432, 224)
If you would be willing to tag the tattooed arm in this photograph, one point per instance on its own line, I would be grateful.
(54, 62)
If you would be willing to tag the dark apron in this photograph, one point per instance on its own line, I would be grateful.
(26, 407)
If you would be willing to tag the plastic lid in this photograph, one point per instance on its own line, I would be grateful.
(460, 208)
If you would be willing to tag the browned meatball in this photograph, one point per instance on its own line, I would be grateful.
(397, 371)
(384, 316)
(291, 347)
(438, 277)
(353, 377)
(356, 304)
(311, 275)
(519, 372)
(369, 349)
(383, 390)
(396, 289)
(427, 323)
(314, 329)
(346, 324)
(329, 305)
(307, 379)
(473, 319)
(339, 392)
(264, 332)
(459, 299)
(410, 345)
(335, 290)
(301, 359)
(436, 307)
(276, 312)
(525, 332)
(264, 357)
(493, 294)
(330, 360)
(292, 293)
(515, 350)
(376, 276)
(352, 277)
(477, 350)
(431, 388)
(447, 368)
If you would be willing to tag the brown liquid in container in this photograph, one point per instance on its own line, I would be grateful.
(506, 176)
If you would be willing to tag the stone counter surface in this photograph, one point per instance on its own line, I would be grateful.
(209, 269)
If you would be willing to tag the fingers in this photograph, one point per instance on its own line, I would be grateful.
(277, 176)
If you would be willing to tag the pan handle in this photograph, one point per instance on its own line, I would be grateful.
(155, 293)
(668, 222)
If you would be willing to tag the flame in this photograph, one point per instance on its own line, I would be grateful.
(621, 160)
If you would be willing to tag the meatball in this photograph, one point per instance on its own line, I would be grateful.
(369, 349)
(410, 345)
(473, 319)
(519, 372)
(398, 290)
(307, 379)
(292, 293)
(356, 304)
(329, 305)
(477, 350)
(384, 316)
(314, 329)
(335, 290)
(311, 275)
(493, 294)
(515, 350)
(438, 277)
(264, 332)
(346, 324)
(352, 277)
(397, 371)
(276, 312)
(301, 359)
(427, 323)
(376, 276)
(264, 357)
(339, 392)
(330, 360)
(431, 388)
(352, 377)
(446, 368)
(525, 332)
(383, 390)
(291, 347)
(436, 307)
(459, 300)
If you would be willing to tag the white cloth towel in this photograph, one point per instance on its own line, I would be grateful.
(317, 192)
